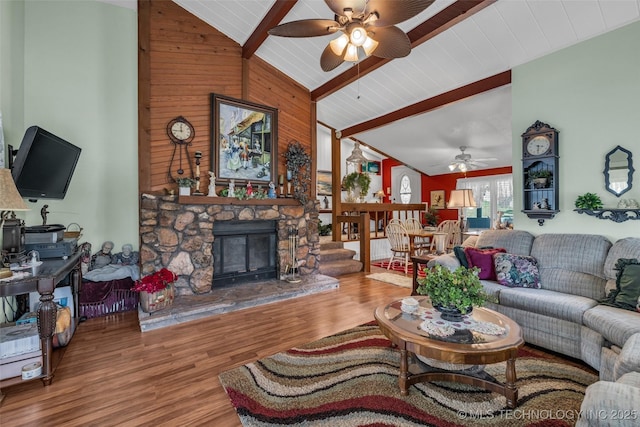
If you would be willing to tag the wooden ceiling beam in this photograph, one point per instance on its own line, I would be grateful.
(438, 101)
(273, 17)
(442, 21)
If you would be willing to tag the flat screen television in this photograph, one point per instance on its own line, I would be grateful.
(44, 165)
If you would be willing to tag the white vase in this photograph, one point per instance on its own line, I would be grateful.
(184, 191)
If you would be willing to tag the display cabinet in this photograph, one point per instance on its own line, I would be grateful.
(540, 172)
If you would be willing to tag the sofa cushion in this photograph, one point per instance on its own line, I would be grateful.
(624, 248)
(483, 259)
(492, 289)
(572, 263)
(516, 270)
(549, 303)
(611, 404)
(517, 242)
(629, 358)
(626, 295)
(615, 325)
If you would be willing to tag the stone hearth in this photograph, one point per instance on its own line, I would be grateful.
(186, 308)
(177, 233)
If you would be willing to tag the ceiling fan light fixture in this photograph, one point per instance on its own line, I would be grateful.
(452, 167)
(338, 45)
(463, 167)
(369, 45)
(352, 53)
(358, 35)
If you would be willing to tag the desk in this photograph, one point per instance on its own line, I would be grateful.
(44, 281)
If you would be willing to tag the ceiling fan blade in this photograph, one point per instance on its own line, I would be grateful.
(393, 42)
(338, 6)
(305, 28)
(329, 60)
(477, 163)
(486, 159)
(394, 12)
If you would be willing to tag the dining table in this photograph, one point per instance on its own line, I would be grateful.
(418, 234)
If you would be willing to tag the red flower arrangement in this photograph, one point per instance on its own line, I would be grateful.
(155, 282)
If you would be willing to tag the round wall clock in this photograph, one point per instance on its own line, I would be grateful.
(180, 131)
(538, 145)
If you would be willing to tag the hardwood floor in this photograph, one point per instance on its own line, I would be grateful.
(112, 374)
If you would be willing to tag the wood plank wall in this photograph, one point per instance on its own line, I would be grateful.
(186, 60)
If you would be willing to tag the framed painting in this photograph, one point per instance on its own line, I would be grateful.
(437, 199)
(373, 167)
(244, 141)
(323, 183)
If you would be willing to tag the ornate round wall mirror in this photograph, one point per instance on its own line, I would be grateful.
(618, 171)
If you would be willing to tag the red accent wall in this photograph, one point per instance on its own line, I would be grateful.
(446, 182)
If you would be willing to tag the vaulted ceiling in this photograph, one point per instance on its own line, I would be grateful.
(452, 90)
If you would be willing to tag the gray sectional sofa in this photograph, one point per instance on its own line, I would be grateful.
(564, 315)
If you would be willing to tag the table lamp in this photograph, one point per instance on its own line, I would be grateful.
(10, 200)
(380, 195)
(461, 199)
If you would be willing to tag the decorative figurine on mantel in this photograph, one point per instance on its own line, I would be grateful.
(212, 184)
(272, 191)
(249, 189)
(232, 188)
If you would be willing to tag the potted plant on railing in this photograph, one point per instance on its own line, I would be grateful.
(185, 185)
(540, 178)
(357, 186)
(452, 293)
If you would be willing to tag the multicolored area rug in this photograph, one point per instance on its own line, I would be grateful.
(398, 267)
(393, 278)
(351, 379)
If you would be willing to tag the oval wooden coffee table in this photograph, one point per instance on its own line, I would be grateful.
(464, 347)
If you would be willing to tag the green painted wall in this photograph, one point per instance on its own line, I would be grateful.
(590, 92)
(80, 82)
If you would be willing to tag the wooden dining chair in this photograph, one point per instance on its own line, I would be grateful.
(399, 241)
(453, 231)
(420, 244)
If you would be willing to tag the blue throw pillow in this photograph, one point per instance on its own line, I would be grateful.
(460, 255)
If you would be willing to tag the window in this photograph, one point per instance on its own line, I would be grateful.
(492, 194)
(405, 189)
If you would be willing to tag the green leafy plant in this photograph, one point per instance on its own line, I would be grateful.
(186, 182)
(542, 173)
(588, 201)
(298, 161)
(431, 217)
(324, 230)
(460, 288)
(359, 180)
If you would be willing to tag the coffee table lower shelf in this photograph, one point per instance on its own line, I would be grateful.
(417, 372)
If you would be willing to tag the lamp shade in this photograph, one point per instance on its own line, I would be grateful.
(10, 199)
(461, 199)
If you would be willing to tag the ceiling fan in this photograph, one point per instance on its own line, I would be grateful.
(465, 162)
(367, 27)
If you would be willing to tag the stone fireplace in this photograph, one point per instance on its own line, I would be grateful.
(244, 251)
(178, 233)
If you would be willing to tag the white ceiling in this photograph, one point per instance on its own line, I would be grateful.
(499, 37)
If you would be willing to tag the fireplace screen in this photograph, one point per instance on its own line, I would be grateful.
(243, 251)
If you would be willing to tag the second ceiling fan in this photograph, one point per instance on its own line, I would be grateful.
(367, 27)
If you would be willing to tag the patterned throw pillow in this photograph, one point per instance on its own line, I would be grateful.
(627, 292)
(517, 271)
(483, 259)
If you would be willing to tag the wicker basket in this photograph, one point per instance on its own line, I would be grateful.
(73, 231)
(154, 301)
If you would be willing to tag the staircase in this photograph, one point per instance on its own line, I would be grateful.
(335, 260)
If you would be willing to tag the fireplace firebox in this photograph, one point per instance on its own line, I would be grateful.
(244, 251)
